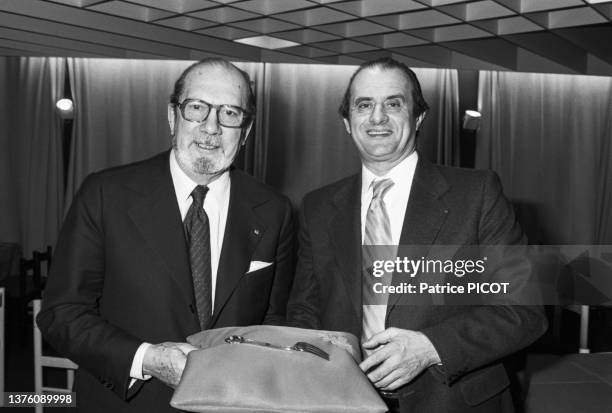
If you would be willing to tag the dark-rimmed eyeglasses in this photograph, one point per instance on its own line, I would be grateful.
(196, 110)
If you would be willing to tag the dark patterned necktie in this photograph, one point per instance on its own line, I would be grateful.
(198, 236)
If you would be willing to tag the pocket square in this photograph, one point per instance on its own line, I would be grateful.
(258, 265)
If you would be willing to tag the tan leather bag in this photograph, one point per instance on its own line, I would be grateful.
(232, 378)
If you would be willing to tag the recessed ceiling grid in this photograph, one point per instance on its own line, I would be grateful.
(565, 35)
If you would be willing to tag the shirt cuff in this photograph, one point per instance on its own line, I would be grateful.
(136, 370)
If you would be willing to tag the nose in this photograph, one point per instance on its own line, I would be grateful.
(210, 125)
(378, 115)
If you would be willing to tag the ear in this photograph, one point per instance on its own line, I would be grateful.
(347, 125)
(171, 117)
(246, 130)
(420, 120)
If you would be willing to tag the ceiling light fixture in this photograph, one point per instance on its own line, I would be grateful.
(267, 42)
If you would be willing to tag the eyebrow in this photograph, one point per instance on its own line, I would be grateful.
(362, 99)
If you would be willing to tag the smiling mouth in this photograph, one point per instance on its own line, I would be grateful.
(379, 133)
(206, 146)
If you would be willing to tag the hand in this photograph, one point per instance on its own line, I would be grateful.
(166, 361)
(401, 355)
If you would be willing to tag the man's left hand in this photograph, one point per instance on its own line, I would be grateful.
(398, 357)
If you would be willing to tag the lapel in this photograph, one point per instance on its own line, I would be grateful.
(243, 230)
(345, 234)
(425, 214)
(158, 219)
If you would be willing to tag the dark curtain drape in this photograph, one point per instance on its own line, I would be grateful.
(121, 112)
(298, 144)
(548, 137)
(307, 145)
(31, 165)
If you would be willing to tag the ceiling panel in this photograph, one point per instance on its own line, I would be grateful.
(354, 28)
(516, 24)
(428, 18)
(485, 10)
(224, 14)
(177, 6)
(569, 36)
(538, 5)
(265, 25)
(227, 32)
(267, 7)
(391, 40)
(378, 7)
(459, 32)
(582, 16)
(185, 23)
(312, 17)
(306, 36)
(130, 10)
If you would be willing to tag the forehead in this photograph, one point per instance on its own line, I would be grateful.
(215, 84)
(380, 83)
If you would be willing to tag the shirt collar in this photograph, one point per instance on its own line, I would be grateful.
(184, 185)
(400, 173)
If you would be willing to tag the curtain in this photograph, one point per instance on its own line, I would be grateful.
(439, 136)
(299, 142)
(306, 143)
(548, 137)
(121, 112)
(31, 174)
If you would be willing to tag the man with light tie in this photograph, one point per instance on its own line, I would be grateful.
(423, 358)
(155, 251)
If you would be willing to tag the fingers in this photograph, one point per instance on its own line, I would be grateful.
(186, 348)
(377, 357)
(380, 338)
(380, 375)
(399, 382)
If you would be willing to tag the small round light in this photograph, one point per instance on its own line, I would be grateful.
(64, 104)
(65, 108)
(471, 120)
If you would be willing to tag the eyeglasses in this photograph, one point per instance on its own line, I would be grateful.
(391, 105)
(196, 110)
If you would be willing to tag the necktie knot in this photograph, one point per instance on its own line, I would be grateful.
(380, 188)
(199, 194)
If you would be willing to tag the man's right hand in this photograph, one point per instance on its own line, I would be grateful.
(166, 361)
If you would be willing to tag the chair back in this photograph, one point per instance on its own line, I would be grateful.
(43, 256)
(41, 361)
(30, 280)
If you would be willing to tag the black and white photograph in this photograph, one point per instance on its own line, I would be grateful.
(306, 206)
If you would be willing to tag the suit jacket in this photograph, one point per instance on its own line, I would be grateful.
(447, 206)
(121, 276)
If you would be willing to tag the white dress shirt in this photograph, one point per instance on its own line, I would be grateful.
(396, 201)
(216, 205)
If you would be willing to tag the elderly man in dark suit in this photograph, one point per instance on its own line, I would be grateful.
(423, 358)
(157, 250)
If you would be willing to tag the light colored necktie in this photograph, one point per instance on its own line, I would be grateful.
(378, 227)
(377, 233)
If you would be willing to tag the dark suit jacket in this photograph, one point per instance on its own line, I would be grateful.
(121, 276)
(447, 206)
